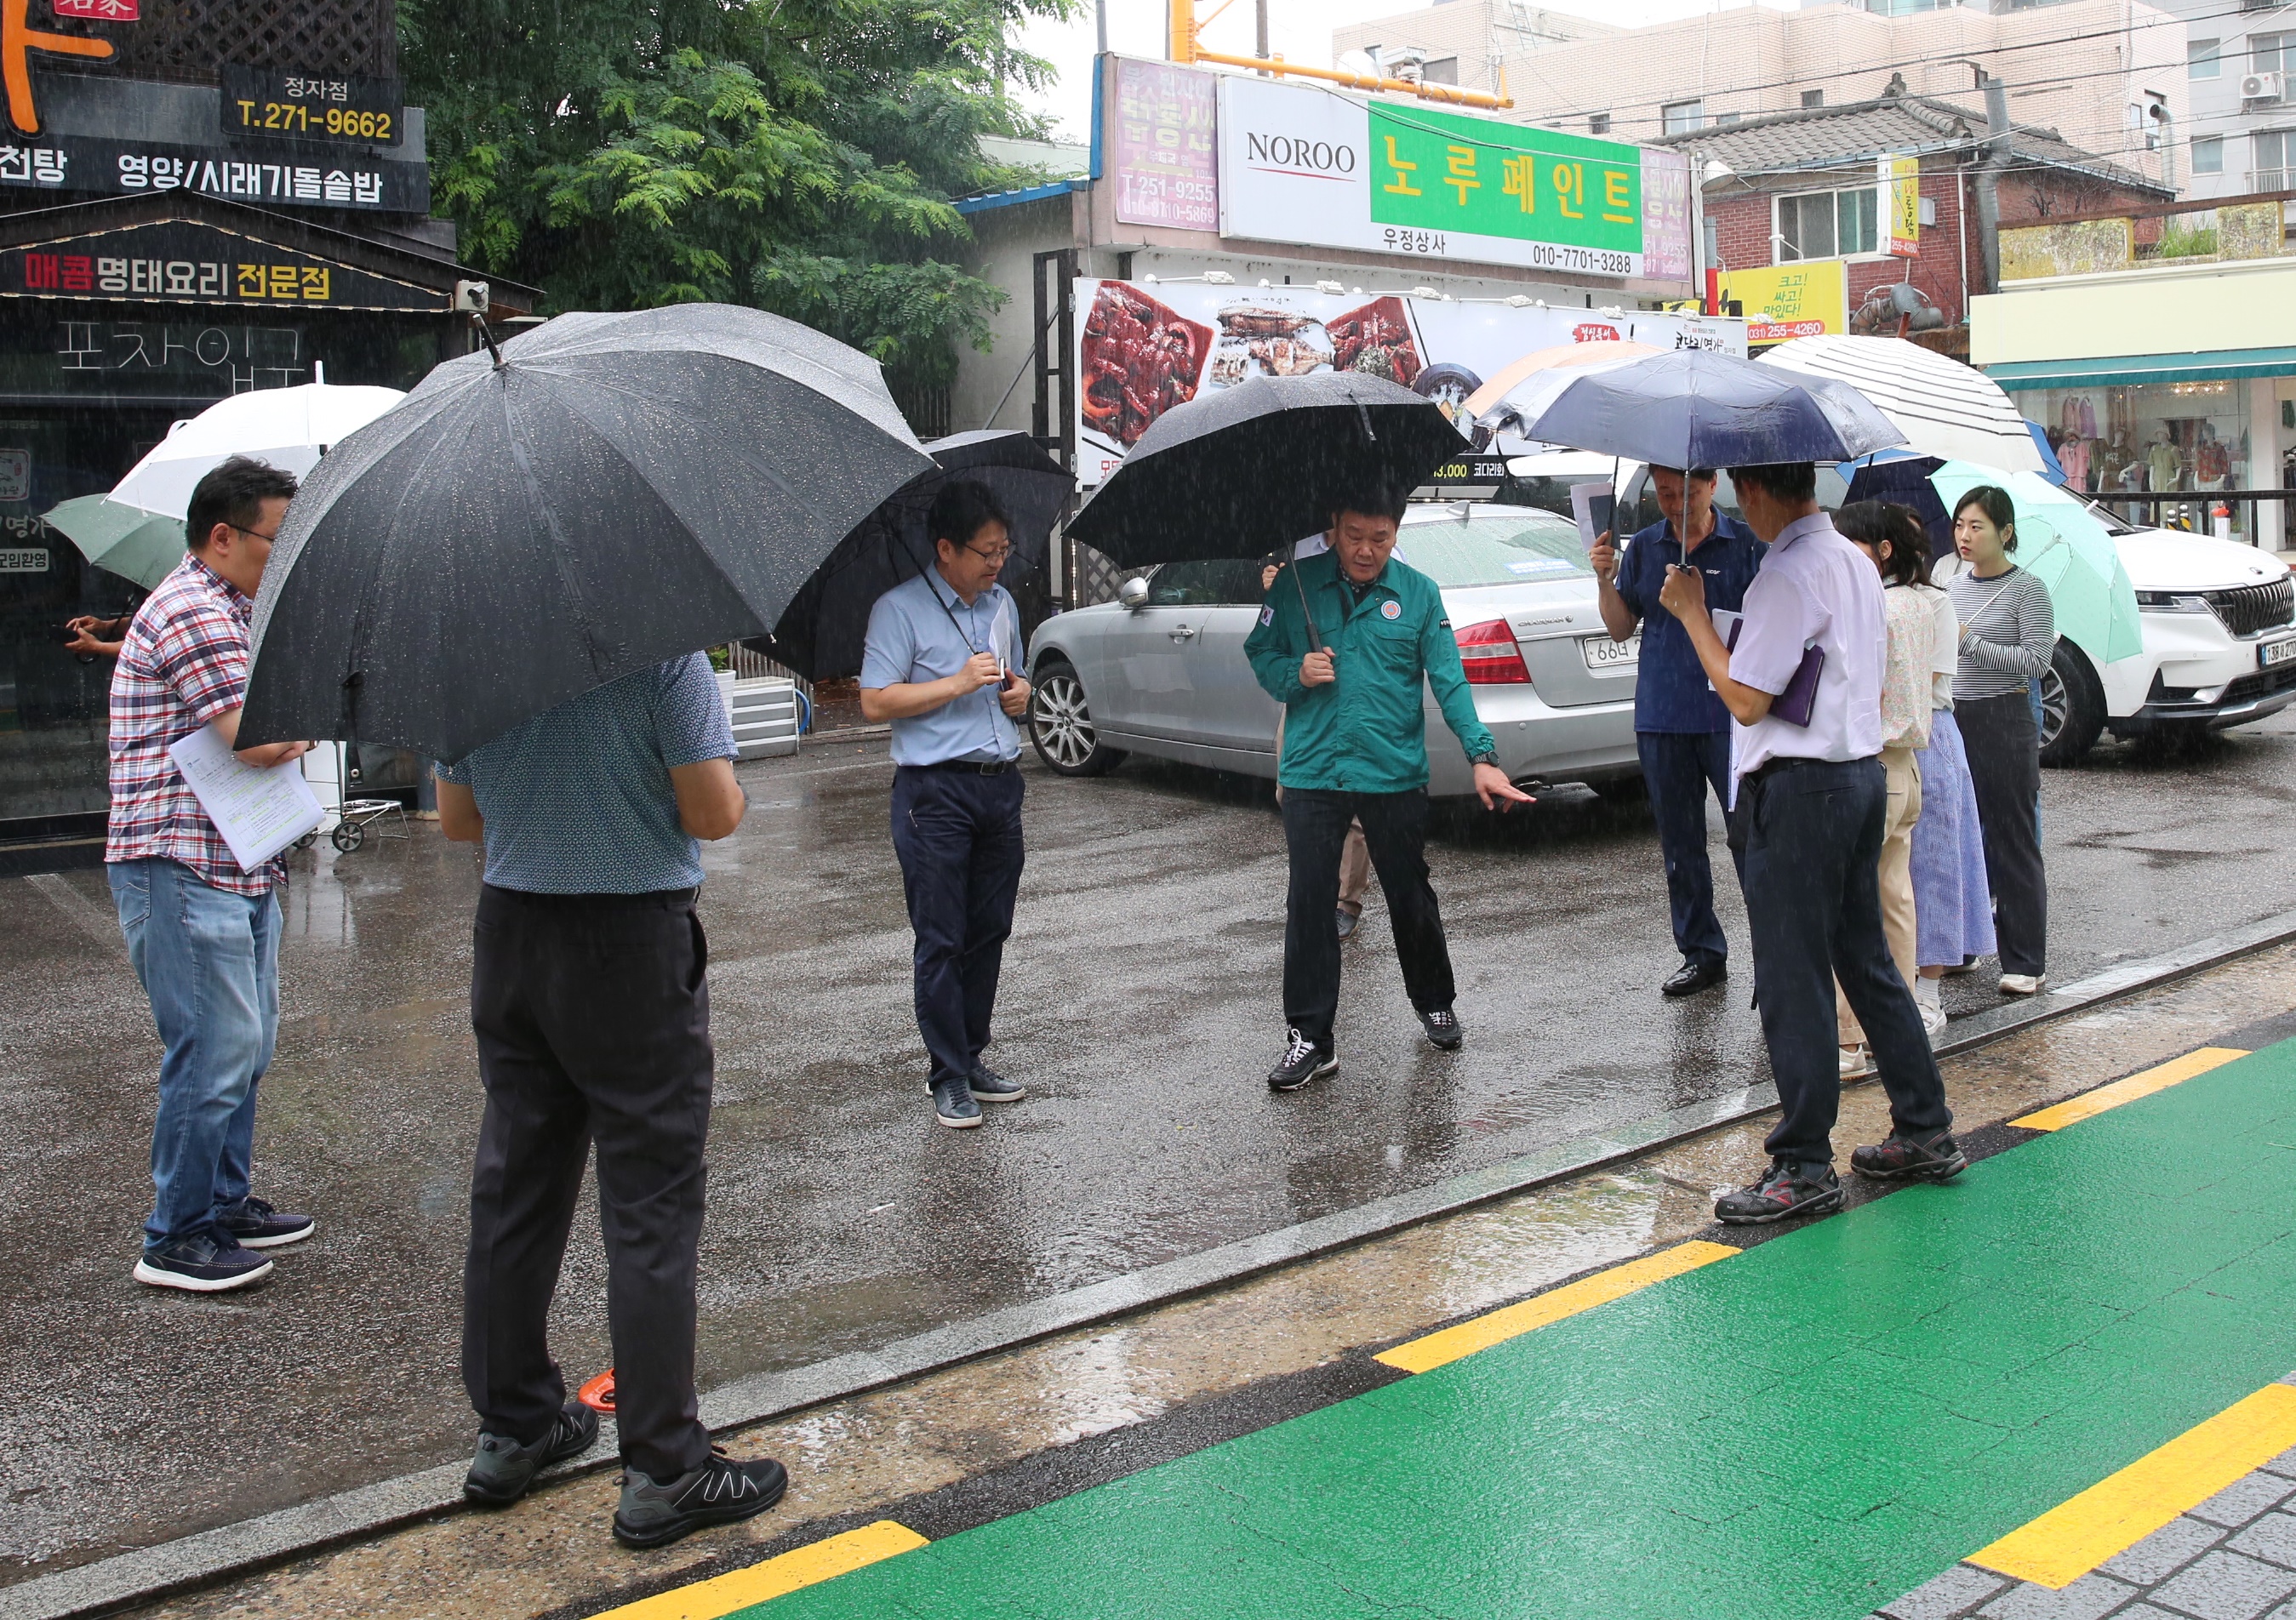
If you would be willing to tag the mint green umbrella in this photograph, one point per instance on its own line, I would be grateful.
(2067, 548)
(143, 546)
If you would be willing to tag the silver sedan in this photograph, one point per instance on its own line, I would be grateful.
(1160, 671)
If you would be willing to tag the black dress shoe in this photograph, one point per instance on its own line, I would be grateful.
(1694, 975)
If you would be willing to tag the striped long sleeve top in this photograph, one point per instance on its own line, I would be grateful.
(2008, 630)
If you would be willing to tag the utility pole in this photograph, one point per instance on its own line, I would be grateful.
(1260, 49)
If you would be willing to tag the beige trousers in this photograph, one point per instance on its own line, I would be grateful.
(1355, 856)
(1897, 874)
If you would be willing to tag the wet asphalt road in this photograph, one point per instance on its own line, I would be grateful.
(1139, 1004)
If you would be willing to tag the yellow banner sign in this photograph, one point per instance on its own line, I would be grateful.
(1783, 301)
(1901, 207)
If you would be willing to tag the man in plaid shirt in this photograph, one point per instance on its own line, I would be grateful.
(202, 933)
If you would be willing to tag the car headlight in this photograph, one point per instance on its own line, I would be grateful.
(2172, 601)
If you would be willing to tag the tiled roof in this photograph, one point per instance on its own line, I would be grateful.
(1828, 137)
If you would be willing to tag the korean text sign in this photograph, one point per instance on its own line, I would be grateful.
(1160, 134)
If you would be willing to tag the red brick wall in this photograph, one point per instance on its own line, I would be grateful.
(1742, 224)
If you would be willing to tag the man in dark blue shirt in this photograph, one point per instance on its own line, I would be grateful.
(1682, 730)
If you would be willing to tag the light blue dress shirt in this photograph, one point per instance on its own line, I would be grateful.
(921, 631)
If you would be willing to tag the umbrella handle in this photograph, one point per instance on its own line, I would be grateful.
(1314, 636)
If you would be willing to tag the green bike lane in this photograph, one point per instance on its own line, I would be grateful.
(1810, 1428)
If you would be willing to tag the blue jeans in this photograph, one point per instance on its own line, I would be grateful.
(208, 960)
(1678, 767)
(958, 836)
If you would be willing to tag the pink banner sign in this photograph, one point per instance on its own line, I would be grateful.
(1159, 137)
(103, 10)
(1666, 215)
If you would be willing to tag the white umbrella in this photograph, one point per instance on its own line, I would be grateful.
(288, 428)
(1944, 408)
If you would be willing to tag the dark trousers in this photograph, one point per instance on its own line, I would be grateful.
(2005, 765)
(593, 1018)
(958, 835)
(1679, 768)
(1395, 830)
(1812, 831)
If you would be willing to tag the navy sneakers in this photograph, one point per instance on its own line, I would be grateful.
(257, 1225)
(205, 1263)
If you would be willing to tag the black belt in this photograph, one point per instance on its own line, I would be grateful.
(1777, 764)
(969, 767)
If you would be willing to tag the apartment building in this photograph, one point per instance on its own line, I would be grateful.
(2240, 76)
(2109, 77)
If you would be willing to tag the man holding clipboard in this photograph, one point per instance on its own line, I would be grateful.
(202, 930)
(1803, 683)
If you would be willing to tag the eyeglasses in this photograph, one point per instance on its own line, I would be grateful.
(252, 534)
(996, 557)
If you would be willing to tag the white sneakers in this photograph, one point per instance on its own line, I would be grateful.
(1856, 1063)
(2022, 983)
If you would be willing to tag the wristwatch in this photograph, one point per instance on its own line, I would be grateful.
(1487, 757)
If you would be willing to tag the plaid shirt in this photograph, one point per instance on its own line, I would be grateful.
(184, 661)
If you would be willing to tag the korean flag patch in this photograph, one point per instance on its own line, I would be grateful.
(1267, 613)
(1390, 609)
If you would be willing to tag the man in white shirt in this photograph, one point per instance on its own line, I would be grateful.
(1810, 802)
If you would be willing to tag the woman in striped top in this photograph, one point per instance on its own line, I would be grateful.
(2008, 631)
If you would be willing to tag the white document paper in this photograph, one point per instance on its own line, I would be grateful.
(1595, 506)
(258, 812)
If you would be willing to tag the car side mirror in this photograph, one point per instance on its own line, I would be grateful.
(1134, 594)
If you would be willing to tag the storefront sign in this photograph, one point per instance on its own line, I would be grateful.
(90, 164)
(1783, 301)
(303, 107)
(23, 559)
(15, 475)
(1161, 137)
(1142, 350)
(1901, 182)
(179, 262)
(1304, 165)
(19, 42)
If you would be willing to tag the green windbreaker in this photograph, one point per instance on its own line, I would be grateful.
(1365, 731)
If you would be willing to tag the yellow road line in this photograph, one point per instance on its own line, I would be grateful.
(1512, 1320)
(2113, 1515)
(2160, 1078)
(804, 1567)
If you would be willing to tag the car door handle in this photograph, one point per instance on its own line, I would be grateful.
(1181, 633)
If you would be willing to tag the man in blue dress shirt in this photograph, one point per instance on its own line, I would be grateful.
(940, 664)
(1682, 730)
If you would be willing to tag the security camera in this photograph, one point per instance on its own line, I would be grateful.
(471, 298)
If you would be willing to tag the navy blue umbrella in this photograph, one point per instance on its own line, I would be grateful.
(1690, 408)
(1905, 480)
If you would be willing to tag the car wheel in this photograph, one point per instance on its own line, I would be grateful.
(1059, 724)
(2072, 706)
(1449, 387)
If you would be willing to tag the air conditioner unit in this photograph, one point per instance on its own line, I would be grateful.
(2261, 87)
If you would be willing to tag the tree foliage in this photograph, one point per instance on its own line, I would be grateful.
(798, 155)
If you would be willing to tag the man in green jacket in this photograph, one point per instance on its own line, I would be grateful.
(1346, 648)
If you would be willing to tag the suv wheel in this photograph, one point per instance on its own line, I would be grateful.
(2072, 706)
(1059, 724)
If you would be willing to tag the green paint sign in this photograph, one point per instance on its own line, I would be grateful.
(1441, 172)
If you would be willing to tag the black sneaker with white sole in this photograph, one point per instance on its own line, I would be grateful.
(205, 1263)
(257, 1225)
(988, 1086)
(502, 1468)
(953, 1103)
(1302, 1061)
(720, 1491)
(1443, 1028)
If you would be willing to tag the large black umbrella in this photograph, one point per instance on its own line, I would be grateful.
(1251, 469)
(613, 491)
(820, 633)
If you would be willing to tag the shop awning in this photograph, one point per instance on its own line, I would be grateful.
(2211, 365)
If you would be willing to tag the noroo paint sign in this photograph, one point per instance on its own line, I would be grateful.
(1299, 164)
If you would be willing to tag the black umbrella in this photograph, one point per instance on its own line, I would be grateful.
(820, 632)
(1252, 469)
(613, 491)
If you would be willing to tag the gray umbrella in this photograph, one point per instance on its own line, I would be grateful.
(615, 490)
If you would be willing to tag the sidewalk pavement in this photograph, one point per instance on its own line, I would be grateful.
(2047, 1389)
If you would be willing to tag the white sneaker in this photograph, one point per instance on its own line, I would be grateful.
(1933, 1019)
(2022, 983)
(1856, 1062)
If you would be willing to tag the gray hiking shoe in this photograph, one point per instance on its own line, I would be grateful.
(720, 1491)
(502, 1468)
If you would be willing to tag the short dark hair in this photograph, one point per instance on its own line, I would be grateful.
(233, 493)
(1999, 511)
(1871, 522)
(961, 510)
(1707, 473)
(1375, 499)
(1784, 480)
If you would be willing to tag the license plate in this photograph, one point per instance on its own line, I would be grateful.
(1603, 653)
(2274, 653)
